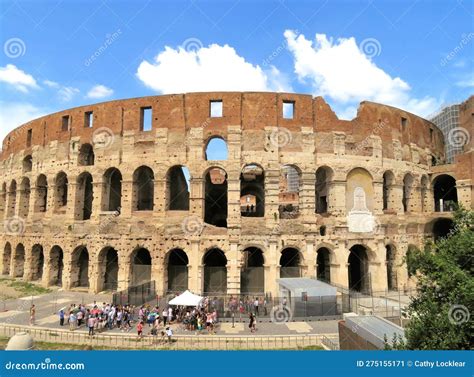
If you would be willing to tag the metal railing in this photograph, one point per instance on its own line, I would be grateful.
(136, 295)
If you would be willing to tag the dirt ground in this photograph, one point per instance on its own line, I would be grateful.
(11, 288)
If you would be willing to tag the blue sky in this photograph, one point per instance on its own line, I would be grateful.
(417, 55)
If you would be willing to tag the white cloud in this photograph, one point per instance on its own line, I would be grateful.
(341, 71)
(212, 68)
(67, 93)
(99, 91)
(19, 79)
(51, 84)
(467, 83)
(14, 114)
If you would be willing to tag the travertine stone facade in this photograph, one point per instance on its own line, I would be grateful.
(102, 207)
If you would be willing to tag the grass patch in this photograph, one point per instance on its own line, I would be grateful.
(28, 289)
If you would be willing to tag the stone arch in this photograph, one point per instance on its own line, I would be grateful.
(80, 267)
(359, 178)
(439, 228)
(290, 263)
(215, 197)
(25, 191)
(445, 193)
(11, 199)
(215, 271)
(108, 268)
(252, 275)
(289, 191)
(388, 190)
(56, 266)
(323, 264)
(408, 192)
(252, 191)
(27, 164)
(36, 262)
(84, 196)
(358, 269)
(141, 263)
(324, 176)
(6, 258)
(215, 149)
(112, 190)
(18, 269)
(143, 189)
(60, 190)
(177, 270)
(41, 190)
(177, 188)
(86, 155)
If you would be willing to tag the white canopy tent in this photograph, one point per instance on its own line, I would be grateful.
(186, 299)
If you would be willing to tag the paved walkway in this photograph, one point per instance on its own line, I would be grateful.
(16, 312)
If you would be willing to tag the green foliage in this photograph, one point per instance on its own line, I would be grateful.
(440, 313)
(397, 343)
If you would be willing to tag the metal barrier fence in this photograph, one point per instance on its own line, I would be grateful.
(200, 342)
(136, 295)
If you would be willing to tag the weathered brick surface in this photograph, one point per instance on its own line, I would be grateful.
(374, 142)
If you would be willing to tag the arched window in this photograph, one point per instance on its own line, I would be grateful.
(216, 149)
(358, 269)
(322, 188)
(143, 189)
(141, 266)
(80, 267)
(252, 191)
(37, 262)
(24, 197)
(3, 200)
(289, 192)
(108, 269)
(27, 164)
(252, 276)
(445, 193)
(323, 271)
(11, 199)
(41, 201)
(290, 263)
(85, 196)
(215, 272)
(177, 270)
(60, 191)
(86, 155)
(407, 193)
(177, 188)
(215, 202)
(112, 190)
(56, 266)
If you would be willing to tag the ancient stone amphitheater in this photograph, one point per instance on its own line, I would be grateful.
(223, 193)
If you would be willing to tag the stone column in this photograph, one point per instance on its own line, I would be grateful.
(95, 272)
(97, 190)
(125, 271)
(378, 198)
(194, 267)
(233, 199)
(127, 192)
(310, 258)
(396, 198)
(337, 198)
(71, 199)
(159, 198)
(67, 270)
(157, 271)
(233, 268)
(378, 269)
(308, 196)
(196, 197)
(272, 189)
(272, 268)
(339, 265)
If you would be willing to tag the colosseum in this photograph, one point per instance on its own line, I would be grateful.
(224, 192)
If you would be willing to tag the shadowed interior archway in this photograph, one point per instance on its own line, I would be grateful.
(215, 272)
(80, 267)
(108, 269)
(141, 266)
(56, 266)
(290, 261)
(177, 270)
(358, 269)
(252, 276)
(323, 271)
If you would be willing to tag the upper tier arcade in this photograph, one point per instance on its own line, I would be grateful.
(251, 111)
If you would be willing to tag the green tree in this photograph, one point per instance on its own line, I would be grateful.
(440, 314)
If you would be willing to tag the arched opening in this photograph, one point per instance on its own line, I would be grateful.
(290, 263)
(6, 259)
(37, 262)
(112, 190)
(388, 192)
(143, 189)
(252, 191)
(215, 202)
(323, 267)
(86, 155)
(445, 193)
(177, 189)
(424, 184)
(216, 149)
(359, 191)
(27, 164)
(252, 275)
(407, 193)
(41, 201)
(56, 266)
(11, 199)
(441, 228)
(177, 271)
(80, 267)
(60, 191)
(141, 266)
(392, 283)
(85, 196)
(358, 266)
(289, 192)
(215, 272)
(322, 186)
(25, 192)
(108, 269)
(19, 261)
